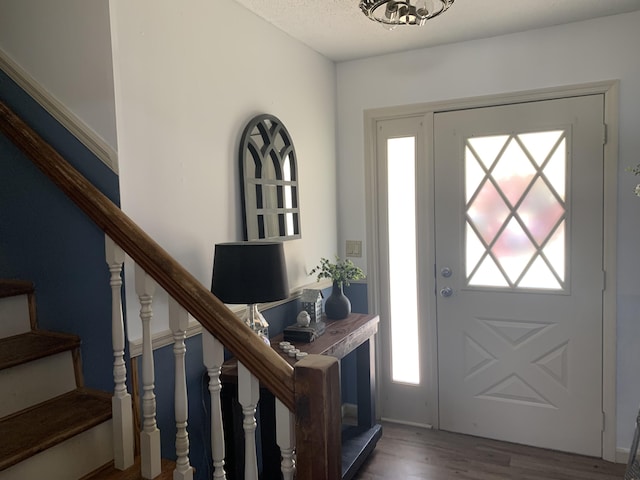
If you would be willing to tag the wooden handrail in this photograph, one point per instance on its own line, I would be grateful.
(260, 359)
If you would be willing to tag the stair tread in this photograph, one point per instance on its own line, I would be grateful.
(30, 346)
(37, 428)
(132, 473)
(10, 288)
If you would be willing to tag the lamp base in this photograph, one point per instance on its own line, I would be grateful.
(256, 322)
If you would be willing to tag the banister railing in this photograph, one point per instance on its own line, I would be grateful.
(309, 392)
(272, 371)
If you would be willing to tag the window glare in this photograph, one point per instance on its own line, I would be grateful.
(405, 358)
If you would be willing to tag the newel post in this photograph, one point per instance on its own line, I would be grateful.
(318, 418)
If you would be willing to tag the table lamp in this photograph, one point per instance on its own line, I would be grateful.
(250, 273)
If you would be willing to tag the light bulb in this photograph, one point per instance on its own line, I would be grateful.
(424, 8)
(391, 12)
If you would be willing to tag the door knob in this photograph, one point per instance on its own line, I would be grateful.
(446, 272)
(446, 292)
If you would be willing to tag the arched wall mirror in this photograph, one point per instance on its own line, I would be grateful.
(269, 181)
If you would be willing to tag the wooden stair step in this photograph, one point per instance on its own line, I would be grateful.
(33, 345)
(10, 288)
(109, 472)
(35, 429)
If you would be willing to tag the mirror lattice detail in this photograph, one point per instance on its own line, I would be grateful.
(269, 171)
(516, 211)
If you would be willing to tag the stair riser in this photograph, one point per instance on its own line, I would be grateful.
(71, 459)
(26, 385)
(14, 315)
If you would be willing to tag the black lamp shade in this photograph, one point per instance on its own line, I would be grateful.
(249, 272)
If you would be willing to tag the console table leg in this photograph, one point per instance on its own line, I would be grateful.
(366, 384)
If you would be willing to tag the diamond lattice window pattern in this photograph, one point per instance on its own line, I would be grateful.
(516, 213)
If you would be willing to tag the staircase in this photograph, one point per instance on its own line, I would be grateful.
(51, 426)
(35, 426)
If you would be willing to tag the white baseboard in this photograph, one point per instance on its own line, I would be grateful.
(410, 424)
(622, 455)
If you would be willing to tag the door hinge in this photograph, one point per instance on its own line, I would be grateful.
(604, 280)
(603, 422)
(605, 133)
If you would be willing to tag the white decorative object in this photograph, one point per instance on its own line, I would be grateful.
(248, 396)
(213, 356)
(303, 319)
(312, 303)
(178, 322)
(285, 438)
(150, 435)
(123, 445)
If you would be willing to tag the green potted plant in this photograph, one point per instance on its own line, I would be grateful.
(337, 306)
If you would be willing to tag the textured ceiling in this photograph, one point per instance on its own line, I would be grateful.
(339, 30)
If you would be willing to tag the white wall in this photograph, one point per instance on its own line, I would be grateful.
(189, 76)
(65, 46)
(602, 49)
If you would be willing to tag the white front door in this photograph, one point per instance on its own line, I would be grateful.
(519, 276)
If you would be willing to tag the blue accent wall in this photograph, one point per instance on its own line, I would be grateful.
(357, 294)
(46, 239)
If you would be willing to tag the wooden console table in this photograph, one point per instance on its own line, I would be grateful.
(341, 337)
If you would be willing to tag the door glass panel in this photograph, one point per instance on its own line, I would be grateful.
(475, 250)
(539, 275)
(554, 251)
(488, 148)
(540, 144)
(474, 174)
(487, 212)
(488, 274)
(555, 170)
(516, 212)
(540, 211)
(513, 172)
(403, 282)
(513, 250)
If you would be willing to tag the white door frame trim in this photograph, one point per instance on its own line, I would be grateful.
(610, 90)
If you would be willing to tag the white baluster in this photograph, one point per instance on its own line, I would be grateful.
(150, 435)
(248, 396)
(178, 322)
(121, 402)
(213, 356)
(285, 435)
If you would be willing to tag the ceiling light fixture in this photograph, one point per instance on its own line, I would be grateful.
(392, 13)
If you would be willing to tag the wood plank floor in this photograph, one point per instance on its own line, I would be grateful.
(411, 453)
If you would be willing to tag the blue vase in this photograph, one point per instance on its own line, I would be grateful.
(337, 306)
